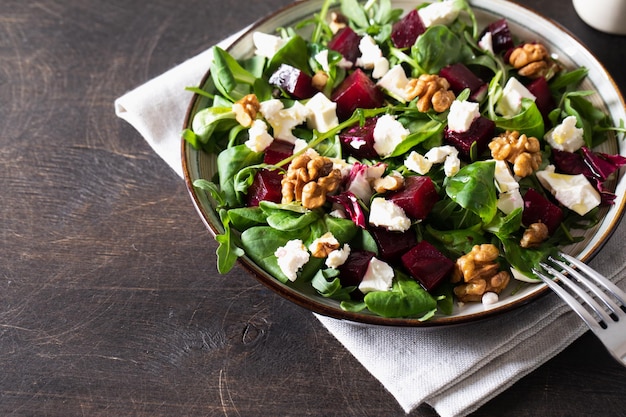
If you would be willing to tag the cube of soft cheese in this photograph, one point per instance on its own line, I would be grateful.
(394, 83)
(505, 181)
(266, 45)
(388, 133)
(418, 163)
(338, 257)
(462, 114)
(322, 113)
(291, 258)
(284, 120)
(439, 13)
(372, 57)
(378, 277)
(510, 104)
(510, 201)
(387, 214)
(258, 138)
(566, 136)
(573, 191)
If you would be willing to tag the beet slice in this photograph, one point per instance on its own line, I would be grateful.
(277, 151)
(356, 91)
(537, 208)
(266, 186)
(417, 198)
(392, 245)
(461, 77)
(346, 42)
(358, 140)
(502, 40)
(481, 132)
(405, 32)
(427, 265)
(293, 81)
(543, 97)
(353, 270)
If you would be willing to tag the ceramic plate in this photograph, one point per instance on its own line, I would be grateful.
(524, 24)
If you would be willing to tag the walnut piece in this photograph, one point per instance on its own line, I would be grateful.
(522, 151)
(246, 109)
(432, 90)
(319, 80)
(310, 180)
(325, 244)
(479, 272)
(391, 182)
(532, 60)
(534, 235)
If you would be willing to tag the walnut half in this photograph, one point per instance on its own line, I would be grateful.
(310, 180)
(532, 60)
(522, 151)
(432, 90)
(479, 272)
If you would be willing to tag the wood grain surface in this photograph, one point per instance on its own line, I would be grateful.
(110, 303)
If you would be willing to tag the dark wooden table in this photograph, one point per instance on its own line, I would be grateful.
(110, 304)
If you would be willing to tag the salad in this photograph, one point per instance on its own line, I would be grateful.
(401, 161)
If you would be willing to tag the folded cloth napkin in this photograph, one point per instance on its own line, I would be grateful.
(455, 370)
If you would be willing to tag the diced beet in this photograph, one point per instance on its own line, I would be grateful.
(406, 31)
(427, 265)
(346, 42)
(293, 81)
(356, 91)
(358, 140)
(538, 208)
(502, 39)
(544, 99)
(265, 187)
(277, 151)
(417, 198)
(392, 245)
(481, 132)
(460, 77)
(352, 271)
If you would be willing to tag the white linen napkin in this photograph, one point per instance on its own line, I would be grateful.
(455, 370)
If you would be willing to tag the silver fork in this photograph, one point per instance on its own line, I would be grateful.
(603, 306)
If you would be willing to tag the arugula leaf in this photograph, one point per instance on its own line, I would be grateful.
(405, 299)
(438, 47)
(244, 217)
(328, 285)
(229, 162)
(529, 121)
(473, 188)
(227, 251)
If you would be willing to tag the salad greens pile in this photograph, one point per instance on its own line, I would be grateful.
(467, 212)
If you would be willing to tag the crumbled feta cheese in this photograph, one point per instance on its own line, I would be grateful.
(258, 138)
(284, 120)
(490, 298)
(573, 191)
(372, 57)
(322, 58)
(451, 165)
(291, 258)
(378, 277)
(486, 42)
(338, 257)
(322, 113)
(566, 136)
(388, 133)
(510, 104)
(505, 181)
(438, 154)
(510, 200)
(394, 83)
(387, 214)
(439, 13)
(267, 45)
(418, 163)
(462, 114)
(446, 154)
